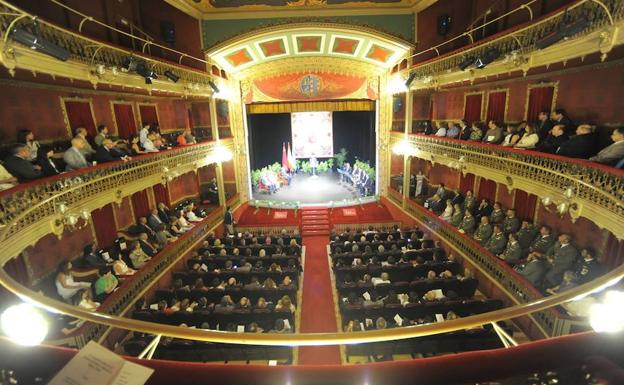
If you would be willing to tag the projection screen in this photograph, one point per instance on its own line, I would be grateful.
(312, 134)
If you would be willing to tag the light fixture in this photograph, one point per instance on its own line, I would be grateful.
(100, 69)
(608, 316)
(143, 70)
(487, 57)
(69, 220)
(404, 147)
(220, 154)
(172, 76)
(563, 32)
(467, 62)
(213, 86)
(24, 324)
(397, 84)
(410, 79)
(37, 43)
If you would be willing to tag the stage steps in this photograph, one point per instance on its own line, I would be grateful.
(315, 221)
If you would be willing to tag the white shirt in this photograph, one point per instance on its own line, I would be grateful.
(148, 145)
(143, 135)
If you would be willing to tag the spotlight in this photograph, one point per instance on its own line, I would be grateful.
(410, 79)
(563, 32)
(488, 56)
(467, 62)
(36, 43)
(24, 324)
(129, 64)
(213, 86)
(171, 76)
(143, 70)
(608, 315)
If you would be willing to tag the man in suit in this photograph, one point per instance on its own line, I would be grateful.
(163, 212)
(73, 157)
(494, 134)
(107, 153)
(544, 125)
(554, 140)
(615, 152)
(562, 256)
(154, 220)
(144, 227)
(146, 246)
(497, 242)
(464, 130)
(559, 116)
(228, 220)
(513, 252)
(484, 209)
(582, 145)
(18, 165)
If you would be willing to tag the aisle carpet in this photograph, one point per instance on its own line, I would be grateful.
(317, 308)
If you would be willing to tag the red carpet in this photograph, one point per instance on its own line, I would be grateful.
(317, 308)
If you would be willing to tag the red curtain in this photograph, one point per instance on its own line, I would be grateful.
(487, 190)
(124, 116)
(191, 124)
(496, 106)
(540, 99)
(613, 255)
(525, 204)
(223, 113)
(140, 204)
(104, 224)
(472, 112)
(16, 268)
(161, 193)
(148, 114)
(79, 115)
(466, 182)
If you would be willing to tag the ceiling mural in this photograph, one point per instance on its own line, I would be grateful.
(304, 41)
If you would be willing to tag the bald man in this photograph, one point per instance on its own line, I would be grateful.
(582, 145)
(73, 157)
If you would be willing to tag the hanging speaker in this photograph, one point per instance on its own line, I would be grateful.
(167, 31)
(444, 24)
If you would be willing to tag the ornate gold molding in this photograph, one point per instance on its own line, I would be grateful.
(326, 64)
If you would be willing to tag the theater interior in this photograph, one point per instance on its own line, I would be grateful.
(299, 192)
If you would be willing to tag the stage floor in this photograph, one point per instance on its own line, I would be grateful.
(308, 190)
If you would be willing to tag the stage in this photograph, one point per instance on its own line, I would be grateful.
(311, 190)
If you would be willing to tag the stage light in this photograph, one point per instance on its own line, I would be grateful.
(36, 43)
(608, 316)
(467, 62)
(143, 70)
(403, 148)
(488, 56)
(221, 154)
(214, 87)
(172, 76)
(410, 79)
(396, 84)
(24, 324)
(563, 32)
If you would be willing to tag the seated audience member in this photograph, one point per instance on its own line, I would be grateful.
(163, 237)
(86, 301)
(458, 215)
(149, 144)
(511, 223)
(18, 164)
(186, 138)
(543, 242)
(383, 279)
(87, 150)
(225, 306)
(138, 256)
(94, 259)
(190, 214)
(45, 162)
(613, 153)
(285, 304)
(494, 134)
(559, 116)
(101, 135)
(464, 130)
(107, 153)
(27, 138)
(120, 268)
(587, 267)
(154, 220)
(513, 252)
(164, 212)
(476, 132)
(435, 204)
(562, 256)
(497, 242)
(135, 148)
(582, 145)
(66, 287)
(535, 269)
(511, 136)
(174, 226)
(484, 210)
(146, 245)
(484, 231)
(143, 133)
(184, 224)
(458, 198)
(144, 227)
(105, 284)
(470, 201)
(497, 216)
(441, 131)
(7, 180)
(448, 211)
(73, 157)
(468, 223)
(544, 124)
(280, 327)
(553, 141)
(568, 282)
(453, 131)
(530, 138)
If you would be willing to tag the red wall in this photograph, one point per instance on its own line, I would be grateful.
(17, 103)
(200, 111)
(123, 213)
(436, 174)
(421, 106)
(184, 186)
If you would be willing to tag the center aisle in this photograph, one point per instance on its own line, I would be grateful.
(317, 309)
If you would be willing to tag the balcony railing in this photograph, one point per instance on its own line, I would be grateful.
(588, 189)
(30, 211)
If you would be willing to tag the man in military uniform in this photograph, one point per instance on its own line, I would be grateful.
(588, 267)
(484, 209)
(497, 216)
(458, 215)
(526, 235)
(511, 223)
(484, 231)
(543, 242)
(497, 242)
(513, 252)
(562, 256)
(535, 269)
(470, 201)
(458, 198)
(468, 223)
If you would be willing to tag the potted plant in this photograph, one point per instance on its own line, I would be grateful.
(341, 157)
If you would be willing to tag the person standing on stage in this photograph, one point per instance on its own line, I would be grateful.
(313, 164)
(228, 221)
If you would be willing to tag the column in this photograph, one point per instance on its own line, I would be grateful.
(214, 125)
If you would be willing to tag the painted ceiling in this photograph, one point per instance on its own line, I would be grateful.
(309, 41)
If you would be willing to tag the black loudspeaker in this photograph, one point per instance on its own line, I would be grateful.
(38, 44)
(167, 30)
(444, 24)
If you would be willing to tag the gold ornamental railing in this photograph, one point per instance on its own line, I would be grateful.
(582, 188)
(30, 211)
(92, 52)
(522, 40)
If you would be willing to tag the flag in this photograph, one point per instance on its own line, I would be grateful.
(291, 159)
(284, 156)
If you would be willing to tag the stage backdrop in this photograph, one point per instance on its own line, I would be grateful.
(353, 130)
(312, 134)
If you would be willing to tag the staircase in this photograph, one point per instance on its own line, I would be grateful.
(314, 221)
